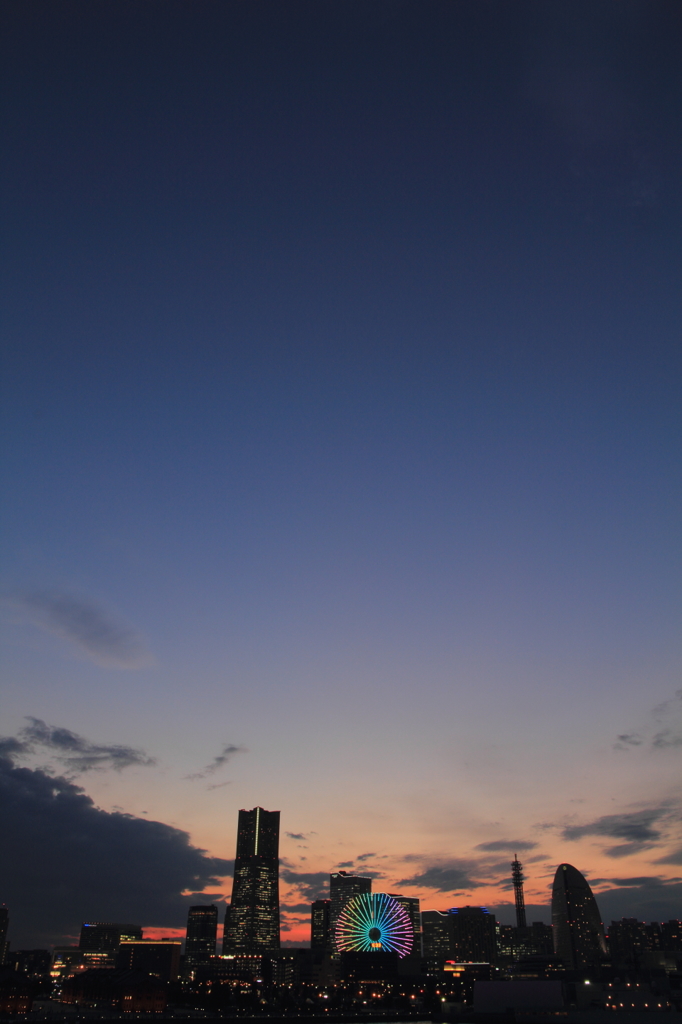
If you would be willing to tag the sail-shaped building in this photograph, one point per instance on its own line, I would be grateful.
(576, 923)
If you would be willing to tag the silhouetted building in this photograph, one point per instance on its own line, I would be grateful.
(369, 967)
(576, 923)
(129, 991)
(320, 936)
(627, 942)
(34, 963)
(4, 924)
(474, 934)
(515, 944)
(102, 936)
(671, 935)
(160, 958)
(540, 938)
(202, 932)
(252, 919)
(66, 960)
(460, 934)
(342, 888)
(411, 905)
(16, 993)
(438, 939)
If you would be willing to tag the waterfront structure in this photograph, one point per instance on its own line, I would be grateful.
(374, 923)
(320, 937)
(342, 888)
(517, 879)
(576, 923)
(252, 919)
(202, 930)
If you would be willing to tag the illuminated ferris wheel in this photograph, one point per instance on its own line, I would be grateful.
(374, 923)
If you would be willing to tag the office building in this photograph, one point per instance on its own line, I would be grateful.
(252, 919)
(150, 956)
(202, 932)
(474, 934)
(320, 938)
(35, 963)
(410, 905)
(460, 934)
(576, 922)
(104, 937)
(438, 942)
(342, 888)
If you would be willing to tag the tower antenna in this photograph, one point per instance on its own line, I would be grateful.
(517, 878)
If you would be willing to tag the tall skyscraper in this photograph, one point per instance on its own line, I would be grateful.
(320, 938)
(576, 922)
(202, 930)
(252, 919)
(517, 879)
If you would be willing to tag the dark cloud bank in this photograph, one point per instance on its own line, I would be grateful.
(64, 860)
(73, 752)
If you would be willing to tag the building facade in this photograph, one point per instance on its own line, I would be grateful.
(202, 931)
(160, 958)
(410, 905)
(438, 942)
(252, 919)
(4, 923)
(576, 923)
(474, 934)
(320, 937)
(342, 888)
(104, 937)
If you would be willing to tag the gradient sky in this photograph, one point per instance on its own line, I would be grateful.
(342, 447)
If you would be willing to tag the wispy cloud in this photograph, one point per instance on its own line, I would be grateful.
(311, 884)
(498, 845)
(628, 739)
(448, 876)
(669, 715)
(218, 762)
(76, 754)
(638, 829)
(87, 626)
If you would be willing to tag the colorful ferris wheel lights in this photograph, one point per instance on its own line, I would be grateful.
(372, 923)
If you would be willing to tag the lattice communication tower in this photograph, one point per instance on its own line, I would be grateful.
(517, 878)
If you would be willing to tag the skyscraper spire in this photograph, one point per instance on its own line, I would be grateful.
(517, 878)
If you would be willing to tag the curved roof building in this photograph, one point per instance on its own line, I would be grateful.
(576, 923)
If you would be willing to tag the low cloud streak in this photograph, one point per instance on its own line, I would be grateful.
(87, 626)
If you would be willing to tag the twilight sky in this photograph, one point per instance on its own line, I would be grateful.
(341, 451)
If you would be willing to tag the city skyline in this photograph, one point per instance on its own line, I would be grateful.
(340, 453)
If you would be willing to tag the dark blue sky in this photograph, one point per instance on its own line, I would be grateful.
(342, 357)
